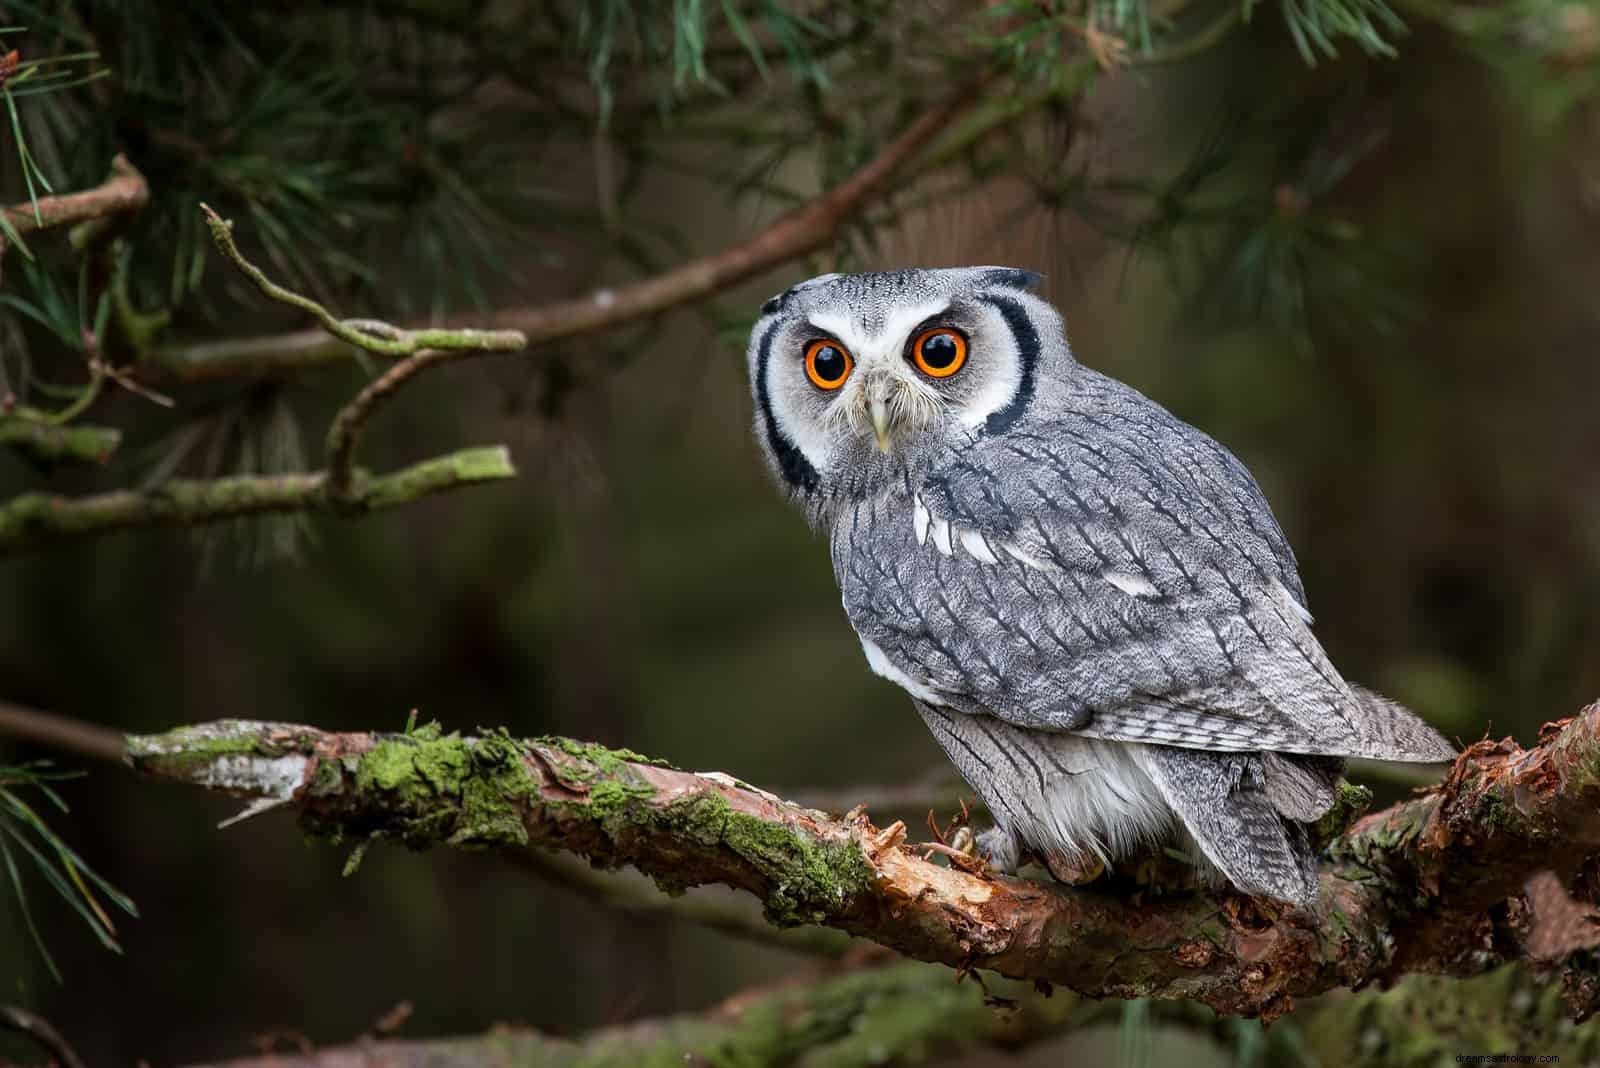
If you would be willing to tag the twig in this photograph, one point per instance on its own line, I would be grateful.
(377, 338)
(629, 893)
(61, 732)
(1434, 884)
(791, 236)
(49, 443)
(420, 348)
(35, 520)
(124, 191)
(344, 433)
(38, 1028)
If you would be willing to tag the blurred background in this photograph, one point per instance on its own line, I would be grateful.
(1370, 271)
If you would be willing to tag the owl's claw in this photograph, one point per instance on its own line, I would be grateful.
(1000, 847)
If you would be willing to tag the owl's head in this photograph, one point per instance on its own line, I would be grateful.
(857, 378)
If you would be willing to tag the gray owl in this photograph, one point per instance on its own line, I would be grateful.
(1088, 600)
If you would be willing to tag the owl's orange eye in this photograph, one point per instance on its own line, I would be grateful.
(827, 364)
(940, 352)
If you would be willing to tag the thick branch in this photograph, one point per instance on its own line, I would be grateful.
(125, 190)
(803, 230)
(1414, 888)
(34, 520)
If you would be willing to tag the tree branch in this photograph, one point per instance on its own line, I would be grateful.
(421, 348)
(1429, 885)
(125, 190)
(49, 443)
(13, 1018)
(904, 1014)
(59, 732)
(796, 233)
(35, 520)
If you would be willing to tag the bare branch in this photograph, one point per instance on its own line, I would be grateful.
(38, 1028)
(59, 732)
(124, 191)
(807, 228)
(35, 520)
(1428, 885)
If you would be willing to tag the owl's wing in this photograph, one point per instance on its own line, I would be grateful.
(1109, 571)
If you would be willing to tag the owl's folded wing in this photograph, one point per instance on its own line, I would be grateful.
(1114, 573)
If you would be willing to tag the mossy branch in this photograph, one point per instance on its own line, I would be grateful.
(36, 520)
(1435, 884)
(48, 443)
(898, 1015)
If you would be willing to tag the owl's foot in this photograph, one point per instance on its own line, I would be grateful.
(1000, 848)
(1074, 870)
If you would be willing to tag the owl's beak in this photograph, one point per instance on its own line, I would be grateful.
(879, 407)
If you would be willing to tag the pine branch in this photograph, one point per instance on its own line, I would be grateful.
(35, 520)
(803, 230)
(1433, 885)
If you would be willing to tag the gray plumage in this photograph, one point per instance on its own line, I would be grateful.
(1090, 600)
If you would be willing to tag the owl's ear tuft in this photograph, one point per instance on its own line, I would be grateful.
(1011, 277)
(773, 304)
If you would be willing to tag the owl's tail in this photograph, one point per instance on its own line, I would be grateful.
(1247, 813)
(1391, 731)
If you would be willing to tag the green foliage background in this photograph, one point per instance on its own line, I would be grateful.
(1361, 255)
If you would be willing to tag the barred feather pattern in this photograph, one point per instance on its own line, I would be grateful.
(1090, 601)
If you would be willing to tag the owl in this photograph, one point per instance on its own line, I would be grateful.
(1088, 600)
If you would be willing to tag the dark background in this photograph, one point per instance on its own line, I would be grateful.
(643, 584)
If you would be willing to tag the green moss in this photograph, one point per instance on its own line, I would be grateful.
(1350, 803)
(184, 752)
(606, 761)
(812, 879)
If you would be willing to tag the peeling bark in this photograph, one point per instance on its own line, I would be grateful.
(1433, 885)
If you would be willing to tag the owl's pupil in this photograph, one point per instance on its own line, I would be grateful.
(939, 351)
(829, 363)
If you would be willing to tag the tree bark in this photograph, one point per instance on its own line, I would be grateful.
(1431, 885)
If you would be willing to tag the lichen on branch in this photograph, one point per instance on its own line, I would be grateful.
(1390, 902)
(34, 521)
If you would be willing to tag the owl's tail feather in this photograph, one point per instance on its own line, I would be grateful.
(1391, 731)
(1225, 802)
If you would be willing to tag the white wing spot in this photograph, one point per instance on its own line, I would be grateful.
(974, 543)
(1289, 599)
(919, 521)
(883, 667)
(1016, 552)
(1132, 585)
(941, 536)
